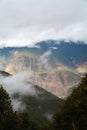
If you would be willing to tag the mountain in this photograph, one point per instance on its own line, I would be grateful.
(68, 52)
(82, 68)
(56, 65)
(40, 107)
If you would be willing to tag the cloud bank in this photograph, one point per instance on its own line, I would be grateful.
(24, 22)
(18, 83)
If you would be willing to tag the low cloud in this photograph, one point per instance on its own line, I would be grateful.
(45, 59)
(18, 105)
(48, 116)
(19, 83)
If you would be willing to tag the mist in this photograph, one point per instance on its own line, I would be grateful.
(19, 83)
(45, 59)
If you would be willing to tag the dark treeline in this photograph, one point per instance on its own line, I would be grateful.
(72, 115)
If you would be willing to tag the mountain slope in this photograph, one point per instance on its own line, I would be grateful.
(40, 107)
(68, 52)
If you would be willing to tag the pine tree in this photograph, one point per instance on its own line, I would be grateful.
(5, 102)
(73, 115)
(10, 120)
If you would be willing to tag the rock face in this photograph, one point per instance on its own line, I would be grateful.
(82, 68)
(54, 78)
(56, 65)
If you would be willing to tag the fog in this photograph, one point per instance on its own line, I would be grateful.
(19, 83)
(45, 59)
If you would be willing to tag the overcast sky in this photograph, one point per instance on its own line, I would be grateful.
(23, 22)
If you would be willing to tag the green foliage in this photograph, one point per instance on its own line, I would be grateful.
(39, 106)
(26, 123)
(10, 120)
(73, 114)
(46, 127)
(5, 102)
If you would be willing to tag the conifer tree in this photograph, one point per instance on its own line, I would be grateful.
(73, 114)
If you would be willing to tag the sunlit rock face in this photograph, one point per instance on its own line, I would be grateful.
(82, 68)
(10, 69)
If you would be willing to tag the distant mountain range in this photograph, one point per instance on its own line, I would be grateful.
(56, 65)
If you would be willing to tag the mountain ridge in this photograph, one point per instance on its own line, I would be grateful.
(56, 65)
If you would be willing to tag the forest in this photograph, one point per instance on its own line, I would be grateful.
(72, 115)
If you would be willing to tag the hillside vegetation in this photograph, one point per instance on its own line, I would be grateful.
(72, 115)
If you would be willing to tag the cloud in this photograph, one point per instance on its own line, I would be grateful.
(18, 105)
(74, 32)
(48, 116)
(45, 59)
(24, 22)
(19, 83)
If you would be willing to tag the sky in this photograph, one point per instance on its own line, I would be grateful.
(25, 22)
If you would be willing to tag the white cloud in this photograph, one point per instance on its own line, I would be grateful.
(24, 22)
(74, 32)
(18, 105)
(45, 59)
(19, 83)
